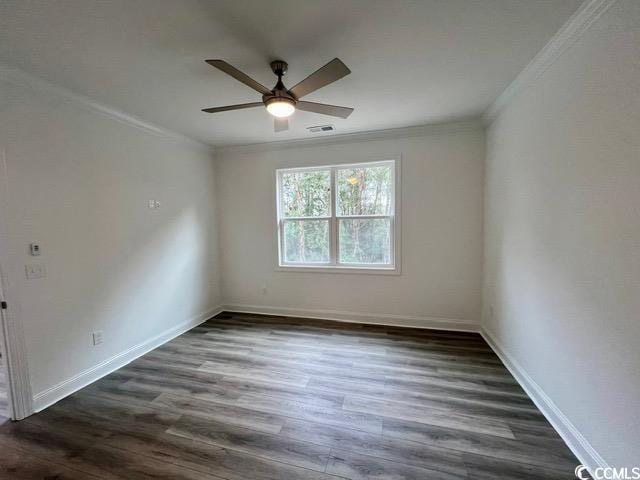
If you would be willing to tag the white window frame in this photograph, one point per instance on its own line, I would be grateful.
(333, 266)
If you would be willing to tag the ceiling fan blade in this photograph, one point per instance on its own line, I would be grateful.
(332, 71)
(232, 107)
(238, 75)
(280, 124)
(323, 108)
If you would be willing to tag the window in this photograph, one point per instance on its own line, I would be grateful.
(340, 216)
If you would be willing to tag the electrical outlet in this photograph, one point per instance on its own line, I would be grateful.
(97, 337)
(36, 270)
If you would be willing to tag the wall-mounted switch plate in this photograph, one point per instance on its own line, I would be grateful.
(36, 270)
(97, 337)
(34, 248)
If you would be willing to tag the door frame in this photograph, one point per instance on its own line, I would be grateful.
(19, 395)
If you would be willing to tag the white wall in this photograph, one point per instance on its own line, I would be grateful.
(562, 271)
(78, 182)
(442, 189)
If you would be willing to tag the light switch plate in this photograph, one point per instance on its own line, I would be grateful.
(36, 270)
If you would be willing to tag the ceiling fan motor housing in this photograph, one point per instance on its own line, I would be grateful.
(279, 96)
(279, 67)
(279, 92)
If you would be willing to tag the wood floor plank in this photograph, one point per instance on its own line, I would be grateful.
(541, 431)
(242, 371)
(362, 467)
(479, 410)
(121, 392)
(170, 359)
(166, 368)
(200, 354)
(232, 415)
(530, 449)
(47, 444)
(487, 468)
(17, 465)
(216, 460)
(433, 366)
(90, 427)
(429, 416)
(182, 386)
(496, 399)
(130, 414)
(244, 386)
(392, 449)
(300, 454)
(421, 382)
(303, 410)
(115, 463)
(309, 366)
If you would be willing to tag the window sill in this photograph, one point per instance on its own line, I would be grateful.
(345, 269)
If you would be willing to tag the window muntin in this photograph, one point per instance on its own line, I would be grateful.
(339, 216)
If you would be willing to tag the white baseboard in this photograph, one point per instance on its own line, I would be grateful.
(437, 323)
(578, 444)
(65, 388)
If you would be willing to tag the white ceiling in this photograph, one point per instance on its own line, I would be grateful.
(412, 62)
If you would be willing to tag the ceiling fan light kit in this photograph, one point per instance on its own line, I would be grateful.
(280, 107)
(281, 102)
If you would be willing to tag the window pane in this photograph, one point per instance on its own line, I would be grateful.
(365, 240)
(306, 241)
(364, 190)
(306, 194)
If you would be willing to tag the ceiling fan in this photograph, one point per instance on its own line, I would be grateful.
(282, 102)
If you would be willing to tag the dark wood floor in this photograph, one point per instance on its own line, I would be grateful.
(244, 397)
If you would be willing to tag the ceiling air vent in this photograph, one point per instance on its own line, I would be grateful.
(321, 128)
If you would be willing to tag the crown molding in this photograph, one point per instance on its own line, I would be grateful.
(24, 79)
(470, 124)
(577, 24)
